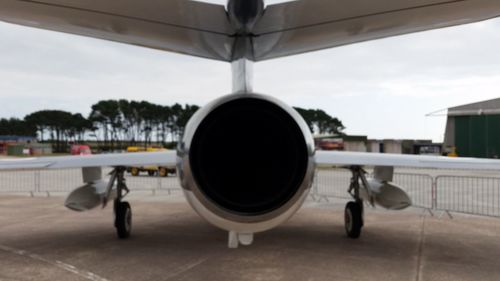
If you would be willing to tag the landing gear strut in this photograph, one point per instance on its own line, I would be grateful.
(123, 212)
(354, 210)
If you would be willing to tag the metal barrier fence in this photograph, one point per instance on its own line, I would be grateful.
(335, 182)
(419, 187)
(471, 195)
(331, 183)
(448, 193)
(479, 195)
(63, 181)
(19, 181)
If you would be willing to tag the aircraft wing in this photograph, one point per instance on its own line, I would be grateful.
(188, 27)
(164, 158)
(307, 25)
(344, 158)
(202, 29)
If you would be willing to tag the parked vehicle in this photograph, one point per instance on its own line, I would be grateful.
(151, 170)
(80, 149)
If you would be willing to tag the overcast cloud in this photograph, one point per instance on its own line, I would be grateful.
(381, 88)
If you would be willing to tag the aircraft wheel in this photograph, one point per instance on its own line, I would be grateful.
(353, 219)
(151, 173)
(134, 171)
(123, 219)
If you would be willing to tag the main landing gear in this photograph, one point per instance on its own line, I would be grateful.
(354, 210)
(353, 219)
(122, 209)
(123, 212)
(123, 219)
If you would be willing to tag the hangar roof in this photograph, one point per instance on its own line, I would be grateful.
(487, 107)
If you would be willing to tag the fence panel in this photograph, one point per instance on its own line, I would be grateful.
(332, 183)
(335, 183)
(418, 187)
(142, 182)
(64, 180)
(68, 179)
(471, 195)
(19, 181)
(170, 183)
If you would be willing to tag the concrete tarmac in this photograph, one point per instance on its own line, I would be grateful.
(42, 240)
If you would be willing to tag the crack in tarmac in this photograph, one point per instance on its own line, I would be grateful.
(185, 269)
(57, 263)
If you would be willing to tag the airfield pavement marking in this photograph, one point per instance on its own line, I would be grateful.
(185, 268)
(62, 265)
(420, 251)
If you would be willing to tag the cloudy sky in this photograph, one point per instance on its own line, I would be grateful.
(381, 88)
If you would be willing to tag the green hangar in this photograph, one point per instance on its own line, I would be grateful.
(474, 129)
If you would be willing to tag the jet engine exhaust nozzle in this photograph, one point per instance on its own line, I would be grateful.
(246, 159)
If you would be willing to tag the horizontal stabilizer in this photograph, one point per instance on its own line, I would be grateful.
(204, 30)
(187, 27)
(307, 25)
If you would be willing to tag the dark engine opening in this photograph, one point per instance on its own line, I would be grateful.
(249, 156)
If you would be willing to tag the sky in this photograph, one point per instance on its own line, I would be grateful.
(382, 88)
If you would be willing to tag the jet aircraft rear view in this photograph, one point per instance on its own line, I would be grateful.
(245, 191)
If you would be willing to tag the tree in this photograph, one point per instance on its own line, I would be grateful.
(18, 127)
(77, 126)
(57, 123)
(165, 117)
(106, 115)
(185, 114)
(320, 122)
(38, 119)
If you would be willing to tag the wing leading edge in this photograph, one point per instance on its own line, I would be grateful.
(165, 158)
(344, 158)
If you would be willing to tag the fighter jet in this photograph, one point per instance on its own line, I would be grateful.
(263, 179)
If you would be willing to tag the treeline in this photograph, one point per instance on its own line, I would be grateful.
(14, 126)
(121, 121)
(320, 122)
(116, 124)
(112, 124)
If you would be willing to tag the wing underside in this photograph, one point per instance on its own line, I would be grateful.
(204, 30)
(187, 27)
(308, 25)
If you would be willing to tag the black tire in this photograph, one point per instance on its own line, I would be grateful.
(123, 219)
(151, 173)
(353, 219)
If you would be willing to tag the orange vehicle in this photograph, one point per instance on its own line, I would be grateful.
(331, 144)
(151, 170)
